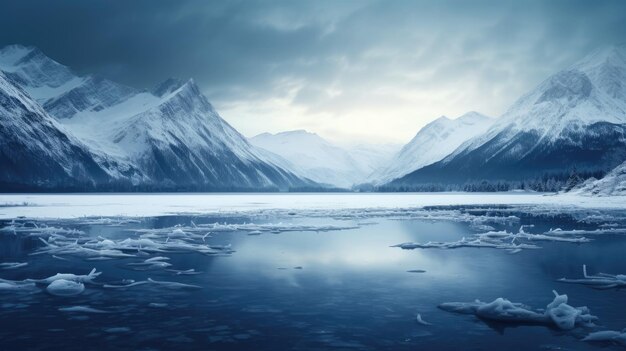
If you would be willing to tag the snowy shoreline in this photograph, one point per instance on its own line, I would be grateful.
(157, 204)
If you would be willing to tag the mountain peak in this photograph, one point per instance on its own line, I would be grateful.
(613, 55)
(167, 86)
(11, 55)
(187, 97)
(190, 86)
(473, 116)
(296, 132)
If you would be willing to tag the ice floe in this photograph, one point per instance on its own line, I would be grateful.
(191, 271)
(464, 242)
(151, 242)
(421, 321)
(598, 281)
(12, 285)
(157, 262)
(63, 287)
(557, 314)
(13, 265)
(81, 309)
(150, 281)
(504, 240)
(85, 278)
(610, 336)
(599, 231)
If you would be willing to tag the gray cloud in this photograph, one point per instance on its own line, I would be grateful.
(319, 64)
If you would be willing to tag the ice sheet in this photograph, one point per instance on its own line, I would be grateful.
(138, 205)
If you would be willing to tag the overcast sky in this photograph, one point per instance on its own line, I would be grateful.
(352, 71)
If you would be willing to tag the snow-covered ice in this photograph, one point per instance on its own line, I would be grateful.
(610, 336)
(145, 205)
(558, 313)
(63, 287)
(598, 281)
(81, 309)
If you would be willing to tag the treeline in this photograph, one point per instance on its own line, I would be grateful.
(121, 187)
(126, 187)
(552, 182)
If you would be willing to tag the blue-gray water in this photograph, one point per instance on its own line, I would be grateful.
(343, 289)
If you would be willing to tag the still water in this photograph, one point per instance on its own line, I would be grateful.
(306, 289)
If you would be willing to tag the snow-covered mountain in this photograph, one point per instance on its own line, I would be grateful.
(56, 87)
(432, 143)
(171, 137)
(37, 153)
(612, 184)
(321, 160)
(574, 119)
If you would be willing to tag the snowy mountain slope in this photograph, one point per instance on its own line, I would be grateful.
(373, 157)
(319, 159)
(183, 139)
(168, 86)
(93, 94)
(180, 141)
(56, 87)
(575, 118)
(167, 139)
(37, 153)
(432, 143)
(612, 184)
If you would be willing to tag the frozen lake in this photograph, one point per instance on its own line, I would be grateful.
(308, 271)
(138, 205)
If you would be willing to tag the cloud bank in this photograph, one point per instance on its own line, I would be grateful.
(353, 71)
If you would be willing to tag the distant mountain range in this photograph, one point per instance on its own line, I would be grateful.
(60, 131)
(323, 161)
(432, 143)
(574, 120)
(65, 132)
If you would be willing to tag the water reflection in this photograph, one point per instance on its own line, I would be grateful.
(309, 290)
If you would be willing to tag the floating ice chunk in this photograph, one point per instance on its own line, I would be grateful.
(81, 309)
(165, 284)
(13, 265)
(558, 313)
(152, 263)
(419, 320)
(173, 285)
(512, 242)
(191, 271)
(611, 336)
(12, 285)
(599, 231)
(599, 281)
(63, 287)
(88, 278)
(475, 243)
(255, 232)
(481, 227)
(129, 285)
